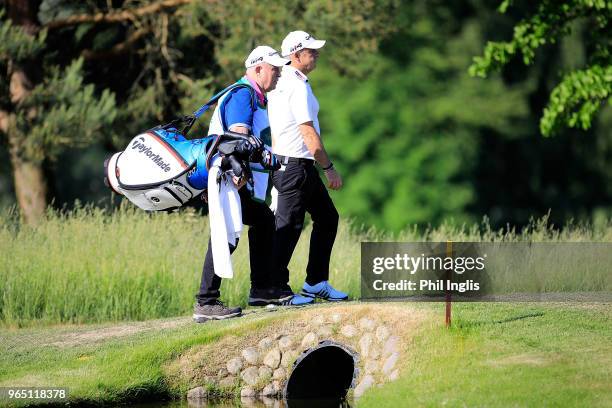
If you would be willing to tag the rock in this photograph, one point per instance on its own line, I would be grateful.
(250, 375)
(265, 343)
(197, 393)
(382, 332)
(250, 355)
(394, 375)
(348, 331)
(234, 365)
(285, 343)
(288, 358)
(390, 363)
(391, 346)
(273, 358)
(278, 385)
(365, 344)
(310, 339)
(371, 366)
(222, 372)
(269, 390)
(247, 392)
(279, 373)
(336, 318)
(366, 383)
(324, 332)
(366, 324)
(265, 373)
(228, 382)
(317, 320)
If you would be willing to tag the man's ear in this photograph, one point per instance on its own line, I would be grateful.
(258, 68)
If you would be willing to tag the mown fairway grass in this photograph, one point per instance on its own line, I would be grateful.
(507, 354)
(90, 265)
(495, 355)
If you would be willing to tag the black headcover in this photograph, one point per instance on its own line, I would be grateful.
(237, 150)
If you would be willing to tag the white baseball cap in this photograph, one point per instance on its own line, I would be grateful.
(298, 40)
(264, 53)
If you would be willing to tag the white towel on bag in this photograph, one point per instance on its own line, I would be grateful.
(225, 219)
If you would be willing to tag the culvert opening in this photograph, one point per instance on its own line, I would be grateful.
(325, 371)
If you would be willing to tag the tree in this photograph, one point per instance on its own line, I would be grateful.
(66, 69)
(581, 92)
(43, 107)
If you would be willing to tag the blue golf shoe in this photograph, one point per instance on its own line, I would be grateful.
(298, 300)
(323, 290)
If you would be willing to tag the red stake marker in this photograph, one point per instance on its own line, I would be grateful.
(449, 253)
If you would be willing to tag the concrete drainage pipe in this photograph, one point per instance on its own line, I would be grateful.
(323, 372)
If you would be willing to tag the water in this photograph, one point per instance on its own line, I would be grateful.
(249, 403)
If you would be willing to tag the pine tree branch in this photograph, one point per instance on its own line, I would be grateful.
(118, 16)
(118, 49)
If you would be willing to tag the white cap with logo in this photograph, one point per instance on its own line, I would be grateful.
(264, 53)
(298, 40)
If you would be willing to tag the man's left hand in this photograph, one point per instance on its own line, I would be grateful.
(334, 181)
(239, 182)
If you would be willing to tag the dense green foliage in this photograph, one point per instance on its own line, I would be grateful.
(406, 141)
(581, 92)
(18, 45)
(64, 104)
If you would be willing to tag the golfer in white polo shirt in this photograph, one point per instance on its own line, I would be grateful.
(293, 113)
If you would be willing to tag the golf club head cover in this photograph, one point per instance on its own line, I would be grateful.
(268, 160)
(241, 148)
(232, 165)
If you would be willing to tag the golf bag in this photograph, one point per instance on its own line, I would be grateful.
(161, 170)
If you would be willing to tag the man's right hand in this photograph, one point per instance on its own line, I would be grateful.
(334, 181)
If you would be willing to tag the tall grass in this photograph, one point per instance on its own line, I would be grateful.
(93, 265)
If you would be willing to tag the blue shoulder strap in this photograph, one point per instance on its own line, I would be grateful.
(216, 97)
(188, 121)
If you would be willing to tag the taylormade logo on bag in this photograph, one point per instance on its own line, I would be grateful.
(146, 150)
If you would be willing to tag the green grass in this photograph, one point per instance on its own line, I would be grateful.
(496, 355)
(89, 265)
(92, 266)
(122, 369)
(520, 355)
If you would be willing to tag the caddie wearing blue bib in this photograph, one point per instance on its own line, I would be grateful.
(243, 110)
